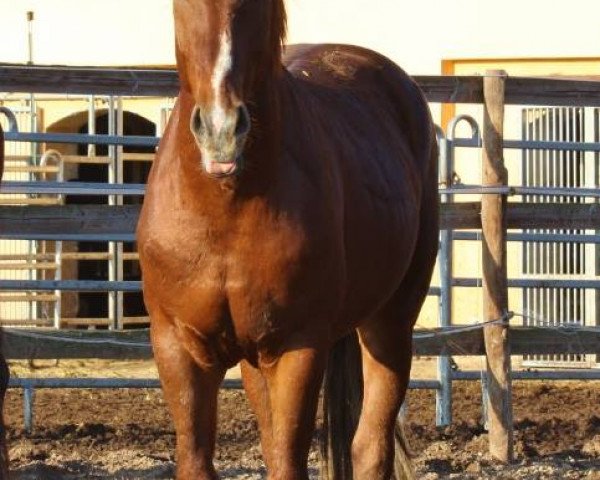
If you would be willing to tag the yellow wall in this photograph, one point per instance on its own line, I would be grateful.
(417, 35)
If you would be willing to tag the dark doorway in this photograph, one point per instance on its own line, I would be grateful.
(95, 304)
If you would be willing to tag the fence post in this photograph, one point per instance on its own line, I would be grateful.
(495, 289)
(443, 396)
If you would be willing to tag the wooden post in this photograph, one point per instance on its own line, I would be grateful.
(495, 289)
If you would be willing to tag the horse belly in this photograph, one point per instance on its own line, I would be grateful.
(380, 243)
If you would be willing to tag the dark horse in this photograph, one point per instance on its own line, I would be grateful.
(4, 374)
(291, 213)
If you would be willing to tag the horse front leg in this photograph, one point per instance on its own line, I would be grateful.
(293, 382)
(191, 392)
(255, 385)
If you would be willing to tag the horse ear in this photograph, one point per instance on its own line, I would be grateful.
(278, 28)
(280, 19)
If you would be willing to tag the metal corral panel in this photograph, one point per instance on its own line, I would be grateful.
(568, 260)
(24, 307)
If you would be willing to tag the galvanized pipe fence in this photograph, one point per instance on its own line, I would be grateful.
(445, 343)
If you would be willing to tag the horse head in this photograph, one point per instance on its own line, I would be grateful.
(226, 52)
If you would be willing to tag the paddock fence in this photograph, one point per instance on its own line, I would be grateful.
(500, 214)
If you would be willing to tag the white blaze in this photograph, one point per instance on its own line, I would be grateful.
(222, 68)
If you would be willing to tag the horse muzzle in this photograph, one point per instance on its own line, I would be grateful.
(221, 137)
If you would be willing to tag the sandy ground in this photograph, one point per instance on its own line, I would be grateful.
(127, 434)
(423, 368)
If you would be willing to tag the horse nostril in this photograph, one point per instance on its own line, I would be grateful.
(196, 124)
(242, 127)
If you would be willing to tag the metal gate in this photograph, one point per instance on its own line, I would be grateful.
(18, 258)
(58, 260)
(568, 260)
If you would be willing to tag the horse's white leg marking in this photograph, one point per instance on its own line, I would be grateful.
(221, 69)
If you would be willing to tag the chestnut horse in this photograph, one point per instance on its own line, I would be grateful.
(4, 373)
(291, 212)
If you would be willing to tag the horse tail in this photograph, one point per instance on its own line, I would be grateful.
(342, 403)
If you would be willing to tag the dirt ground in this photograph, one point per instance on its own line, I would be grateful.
(127, 434)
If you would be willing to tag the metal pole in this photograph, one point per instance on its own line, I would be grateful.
(443, 396)
(33, 112)
(447, 149)
(30, 18)
(119, 201)
(112, 176)
(115, 176)
(58, 250)
(44, 161)
(443, 404)
(92, 124)
(31, 245)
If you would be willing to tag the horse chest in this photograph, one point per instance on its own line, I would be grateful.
(241, 282)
